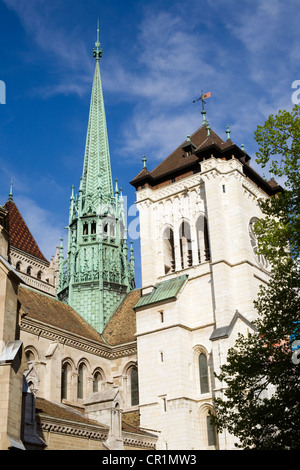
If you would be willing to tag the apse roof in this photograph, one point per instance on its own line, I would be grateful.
(20, 235)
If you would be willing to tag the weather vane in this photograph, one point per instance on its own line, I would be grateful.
(203, 98)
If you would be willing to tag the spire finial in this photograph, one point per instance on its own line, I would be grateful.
(116, 187)
(97, 53)
(144, 160)
(228, 132)
(10, 196)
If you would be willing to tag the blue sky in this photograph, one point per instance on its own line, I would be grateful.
(157, 57)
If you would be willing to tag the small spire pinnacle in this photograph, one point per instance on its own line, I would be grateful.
(208, 130)
(228, 132)
(97, 53)
(116, 187)
(144, 160)
(131, 253)
(10, 196)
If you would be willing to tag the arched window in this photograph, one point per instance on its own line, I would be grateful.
(85, 229)
(39, 275)
(134, 387)
(18, 266)
(202, 239)
(206, 242)
(105, 230)
(185, 245)
(211, 432)
(168, 250)
(65, 370)
(80, 380)
(30, 355)
(93, 228)
(29, 270)
(203, 373)
(97, 379)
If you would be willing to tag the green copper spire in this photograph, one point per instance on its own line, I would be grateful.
(96, 168)
(97, 273)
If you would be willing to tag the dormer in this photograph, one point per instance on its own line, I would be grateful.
(188, 147)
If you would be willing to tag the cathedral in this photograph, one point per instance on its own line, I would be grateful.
(88, 360)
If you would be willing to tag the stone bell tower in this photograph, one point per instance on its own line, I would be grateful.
(97, 273)
(200, 275)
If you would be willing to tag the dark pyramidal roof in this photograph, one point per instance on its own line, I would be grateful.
(202, 144)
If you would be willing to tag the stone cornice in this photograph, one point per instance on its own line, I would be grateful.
(138, 440)
(53, 333)
(73, 428)
(181, 186)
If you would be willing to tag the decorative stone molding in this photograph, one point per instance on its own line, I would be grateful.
(181, 186)
(133, 440)
(55, 334)
(85, 430)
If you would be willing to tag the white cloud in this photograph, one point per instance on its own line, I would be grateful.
(63, 50)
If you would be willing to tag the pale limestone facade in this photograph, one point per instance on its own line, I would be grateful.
(49, 348)
(43, 275)
(12, 356)
(215, 303)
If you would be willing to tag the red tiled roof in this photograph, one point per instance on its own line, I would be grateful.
(20, 235)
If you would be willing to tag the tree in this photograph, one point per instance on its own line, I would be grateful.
(261, 406)
(279, 146)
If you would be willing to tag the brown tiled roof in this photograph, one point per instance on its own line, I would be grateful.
(122, 326)
(65, 412)
(176, 160)
(53, 312)
(202, 146)
(130, 420)
(20, 235)
(131, 423)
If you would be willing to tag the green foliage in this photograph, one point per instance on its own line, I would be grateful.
(262, 397)
(279, 146)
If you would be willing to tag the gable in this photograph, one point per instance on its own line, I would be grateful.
(226, 331)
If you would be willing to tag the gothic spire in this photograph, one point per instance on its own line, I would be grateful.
(96, 274)
(97, 157)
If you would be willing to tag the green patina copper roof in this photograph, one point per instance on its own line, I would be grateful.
(96, 274)
(96, 168)
(162, 291)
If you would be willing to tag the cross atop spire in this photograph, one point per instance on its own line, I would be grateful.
(97, 53)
